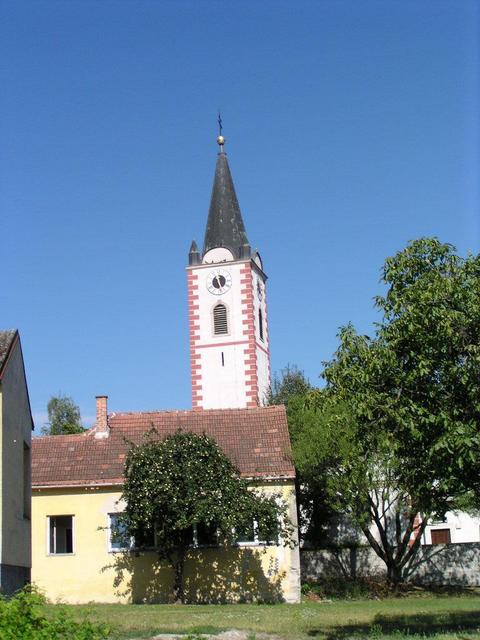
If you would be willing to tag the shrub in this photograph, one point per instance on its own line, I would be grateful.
(346, 589)
(22, 618)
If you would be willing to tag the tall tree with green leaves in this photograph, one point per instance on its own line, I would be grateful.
(63, 417)
(185, 482)
(291, 388)
(290, 383)
(398, 424)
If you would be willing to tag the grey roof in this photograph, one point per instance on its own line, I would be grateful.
(225, 226)
(6, 340)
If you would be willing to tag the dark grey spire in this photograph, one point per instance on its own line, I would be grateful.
(225, 226)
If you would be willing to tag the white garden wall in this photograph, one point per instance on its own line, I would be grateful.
(443, 564)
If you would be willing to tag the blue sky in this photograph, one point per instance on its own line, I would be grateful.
(351, 126)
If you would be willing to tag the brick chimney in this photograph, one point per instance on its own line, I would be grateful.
(101, 426)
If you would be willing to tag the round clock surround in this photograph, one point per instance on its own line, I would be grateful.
(219, 281)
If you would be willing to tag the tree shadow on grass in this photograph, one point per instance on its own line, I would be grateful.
(426, 624)
(212, 576)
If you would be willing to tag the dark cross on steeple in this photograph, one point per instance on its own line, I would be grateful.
(220, 138)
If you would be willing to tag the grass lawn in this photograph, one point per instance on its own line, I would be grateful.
(452, 617)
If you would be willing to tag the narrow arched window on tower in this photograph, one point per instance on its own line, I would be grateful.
(220, 323)
(260, 323)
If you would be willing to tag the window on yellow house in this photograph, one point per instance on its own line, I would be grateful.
(145, 540)
(60, 534)
(202, 535)
(250, 533)
(246, 533)
(118, 540)
(205, 535)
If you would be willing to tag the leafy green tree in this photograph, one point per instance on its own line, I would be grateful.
(291, 388)
(397, 431)
(288, 384)
(184, 482)
(63, 417)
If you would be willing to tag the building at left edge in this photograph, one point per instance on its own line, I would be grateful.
(16, 426)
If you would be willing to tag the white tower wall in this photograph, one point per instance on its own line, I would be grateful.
(229, 370)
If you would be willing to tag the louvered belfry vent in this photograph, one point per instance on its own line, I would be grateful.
(220, 324)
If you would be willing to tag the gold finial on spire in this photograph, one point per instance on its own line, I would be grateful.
(220, 138)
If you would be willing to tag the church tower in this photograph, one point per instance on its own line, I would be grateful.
(229, 347)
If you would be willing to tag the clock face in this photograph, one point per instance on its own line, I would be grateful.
(219, 281)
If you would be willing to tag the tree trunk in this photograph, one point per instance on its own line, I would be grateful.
(178, 567)
(396, 557)
(394, 574)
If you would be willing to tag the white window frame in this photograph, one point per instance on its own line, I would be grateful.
(256, 542)
(61, 515)
(111, 549)
(131, 546)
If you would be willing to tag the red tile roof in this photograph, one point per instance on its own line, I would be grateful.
(256, 440)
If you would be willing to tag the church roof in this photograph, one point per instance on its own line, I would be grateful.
(225, 226)
(256, 441)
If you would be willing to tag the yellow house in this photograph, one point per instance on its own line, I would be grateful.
(15, 492)
(77, 484)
